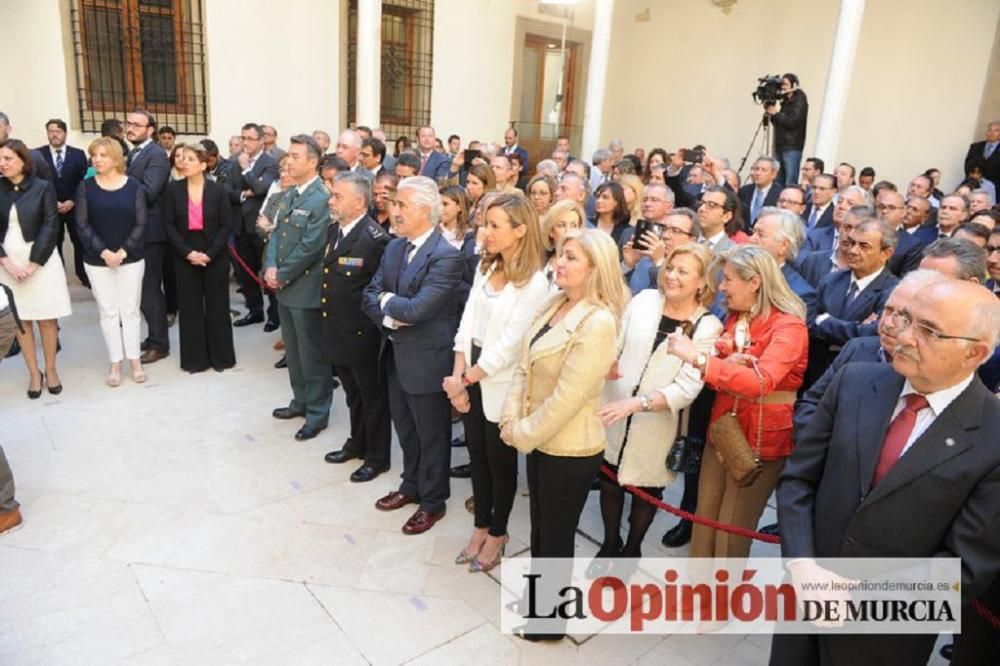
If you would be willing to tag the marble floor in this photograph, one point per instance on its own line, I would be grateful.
(177, 522)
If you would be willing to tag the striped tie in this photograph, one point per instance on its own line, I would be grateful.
(59, 164)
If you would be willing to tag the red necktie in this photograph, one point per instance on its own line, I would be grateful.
(899, 431)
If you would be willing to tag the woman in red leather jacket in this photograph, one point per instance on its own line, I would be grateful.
(765, 329)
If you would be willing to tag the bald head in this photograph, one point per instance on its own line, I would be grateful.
(349, 147)
(898, 301)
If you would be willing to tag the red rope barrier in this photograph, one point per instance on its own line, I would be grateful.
(986, 614)
(247, 269)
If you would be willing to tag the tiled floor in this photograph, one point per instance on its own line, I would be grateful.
(177, 522)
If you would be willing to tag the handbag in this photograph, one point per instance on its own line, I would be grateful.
(734, 451)
(684, 456)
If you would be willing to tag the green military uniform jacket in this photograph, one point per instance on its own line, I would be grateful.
(296, 245)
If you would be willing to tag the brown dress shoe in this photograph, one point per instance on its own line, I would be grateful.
(393, 501)
(421, 521)
(152, 356)
(9, 520)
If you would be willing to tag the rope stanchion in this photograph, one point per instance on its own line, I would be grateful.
(247, 269)
(986, 614)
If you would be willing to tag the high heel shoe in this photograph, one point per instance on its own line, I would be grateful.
(55, 389)
(601, 564)
(475, 566)
(465, 557)
(114, 378)
(35, 395)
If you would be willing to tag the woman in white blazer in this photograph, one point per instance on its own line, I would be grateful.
(508, 292)
(648, 390)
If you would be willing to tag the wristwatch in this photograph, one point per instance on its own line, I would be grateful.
(701, 361)
(645, 403)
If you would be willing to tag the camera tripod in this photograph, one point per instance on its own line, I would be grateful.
(765, 143)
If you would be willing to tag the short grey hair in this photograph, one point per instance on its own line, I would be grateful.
(775, 164)
(584, 183)
(857, 189)
(425, 193)
(362, 185)
(668, 193)
(353, 138)
(600, 155)
(548, 167)
(961, 197)
(4, 119)
(614, 144)
(971, 258)
(790, 228)
(692, 216)
(889, 236)
(989, 195)
(862, 213)
(985, 319)
(919, 278)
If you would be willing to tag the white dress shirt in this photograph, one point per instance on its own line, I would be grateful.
(862, 285)
(937, 403)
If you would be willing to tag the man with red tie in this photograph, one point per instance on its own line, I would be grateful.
(900, 461)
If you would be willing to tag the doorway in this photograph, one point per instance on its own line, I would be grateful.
(540, 121)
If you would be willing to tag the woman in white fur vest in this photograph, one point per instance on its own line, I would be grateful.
(647, 391)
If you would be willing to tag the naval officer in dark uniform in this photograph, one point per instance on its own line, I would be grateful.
(350, 338)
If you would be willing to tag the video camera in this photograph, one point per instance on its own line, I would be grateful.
(768, 90)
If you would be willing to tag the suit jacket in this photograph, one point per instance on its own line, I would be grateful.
(258, 179)
(437, 166)
(819, 238)
(74, 169)
(36, 215)
(425, 300)
(746, 198)
(801, 288)
(908, 253)
(990, 167)
(216, 216)
(825, 220)
(936, 501)
(151, 167)
(296, 245)
(519, 150)
(844, 321)
(925, 234)
(814, 266)
(350, 338)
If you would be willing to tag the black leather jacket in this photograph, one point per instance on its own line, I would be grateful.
(790, 123)
(36, 213)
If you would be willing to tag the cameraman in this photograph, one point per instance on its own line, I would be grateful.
(789, 127)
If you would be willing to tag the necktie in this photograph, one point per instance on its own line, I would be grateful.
(405, 262)
(132, 153)
(852, 293)
(59, 163)
(340, 237)
(813, 216)
(989, 148)
(758, 200)
(895, 438)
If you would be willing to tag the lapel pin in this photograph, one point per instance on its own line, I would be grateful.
(949, 442)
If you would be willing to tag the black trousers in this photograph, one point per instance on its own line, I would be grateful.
(368, 404)
(423, 426)
(492, 463)
(153, 304)
(67, 223)
(558, 487)
(170, 286)
(206, 332)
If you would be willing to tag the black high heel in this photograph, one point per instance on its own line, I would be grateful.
(35, 395)
(55, 390)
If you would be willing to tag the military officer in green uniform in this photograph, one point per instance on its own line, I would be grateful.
(293, 267)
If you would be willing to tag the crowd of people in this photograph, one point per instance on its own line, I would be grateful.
(797, 334)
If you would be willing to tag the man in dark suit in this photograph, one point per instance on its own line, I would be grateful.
(247, 185)
(511, 148)
(986, 154)
(891, 209)
(762, 190)
(819, 213)
(68, 166)
(817, 265)
(899, 462)
(350, 339)
(850, 300)
(780, 232)
(149, 165)
(293, 263)
(412, 297)
(433, 164)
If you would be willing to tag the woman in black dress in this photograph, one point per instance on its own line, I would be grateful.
(197, 218)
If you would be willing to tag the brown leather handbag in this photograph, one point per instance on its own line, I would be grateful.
(730, 442)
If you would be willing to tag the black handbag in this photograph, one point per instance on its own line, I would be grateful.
(684, 456)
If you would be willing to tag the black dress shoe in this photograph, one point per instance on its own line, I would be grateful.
(461, 471)
(249, 319)
(308, 432)
(367, 473)
(282, 363)
(342, 456)
(271, 325)
(286, 413)
(678, 535)
(144, 346)
(771, 530)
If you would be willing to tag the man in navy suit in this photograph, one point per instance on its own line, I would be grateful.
(412, 298)
(899, 461)
(780, 232)
(825, 238)
(986, 154)
(817, 265)
(68, 166)
(762, 190)
(510, 148)
(820, 211)
(150, 166)
(433, 164)
(891, 209)
(850, 300)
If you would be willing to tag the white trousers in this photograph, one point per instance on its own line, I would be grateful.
(118, 292)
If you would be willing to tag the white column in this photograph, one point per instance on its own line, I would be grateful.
(368, 84)
(597, 75)
(838, 82)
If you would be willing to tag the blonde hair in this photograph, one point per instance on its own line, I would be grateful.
(112, 148)
(605, 286)
(634, 183)
(527, 258)
(751, 261)
(550, 218)
(703, 256)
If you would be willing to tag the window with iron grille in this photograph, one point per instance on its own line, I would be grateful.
(407, 47)
(140, 53)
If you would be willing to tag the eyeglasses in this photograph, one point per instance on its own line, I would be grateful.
(712, 205)
(136, 125)
(888, 207)
(902, 321)
(676, 231)
(990, 249)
